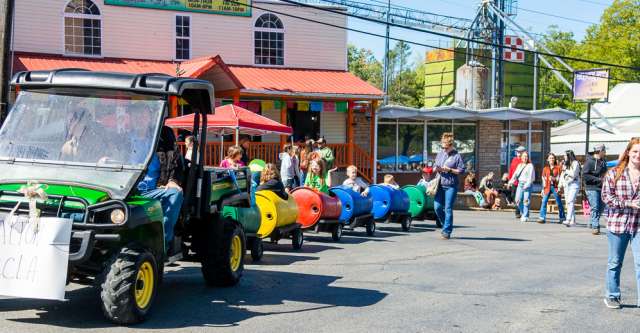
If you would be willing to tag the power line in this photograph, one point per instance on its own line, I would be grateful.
(556, 16)
(404, 40)
(595, 3)
(596, 62)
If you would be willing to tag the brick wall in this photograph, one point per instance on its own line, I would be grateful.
(488, 147)
(362, 131)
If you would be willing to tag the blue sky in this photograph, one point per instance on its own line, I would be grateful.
(583, 10)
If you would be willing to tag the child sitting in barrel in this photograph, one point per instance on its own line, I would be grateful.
(427, 176)
(354, 182)
(317, 178)
(232, 160)
(389, 180)
(270, 181)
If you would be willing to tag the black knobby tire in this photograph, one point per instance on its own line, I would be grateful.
(336, 234)
(297, 239)
(257, 250)
(371, 228)
(406, 223)
(216, 257)
(119, 284)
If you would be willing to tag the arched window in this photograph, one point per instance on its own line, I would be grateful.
(82, 29)
(269, 40)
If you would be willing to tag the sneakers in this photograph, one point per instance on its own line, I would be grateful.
(595, 231)
(524, 219)
(566, 223)
(445, 236)
(612, 302)
(541, 220)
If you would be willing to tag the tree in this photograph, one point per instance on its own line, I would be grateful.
(363, 64)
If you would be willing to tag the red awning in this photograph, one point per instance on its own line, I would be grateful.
(228, 118)
(248, 80)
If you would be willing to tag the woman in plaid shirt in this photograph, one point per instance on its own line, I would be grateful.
(621, 194)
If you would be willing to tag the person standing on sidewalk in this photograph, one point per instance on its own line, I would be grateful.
(524, 176)
(594, 170)
(550, 177)
(571, 184)
(449, 164)
(621, 194)
(512, 168)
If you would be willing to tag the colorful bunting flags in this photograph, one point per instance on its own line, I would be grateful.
(253, 106)
(303, 106)
(267, 105)
(315, 106)
(329, 107)
(342, 106)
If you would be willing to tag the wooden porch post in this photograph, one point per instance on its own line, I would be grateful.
(283, 120)
(350, 138)
(236, 99)
(372, 148)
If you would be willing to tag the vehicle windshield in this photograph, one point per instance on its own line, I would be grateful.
(80, 127)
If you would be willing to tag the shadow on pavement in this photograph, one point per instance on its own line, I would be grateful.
(272, 259)
(184, 301)
(306, 248)
(494, 239)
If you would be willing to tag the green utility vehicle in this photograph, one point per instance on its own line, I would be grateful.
(88, 139)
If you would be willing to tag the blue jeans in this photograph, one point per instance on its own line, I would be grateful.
(443, 205)
(545, 199)
(597, 206)
(171, 201)
(617, 247)
(523, 199)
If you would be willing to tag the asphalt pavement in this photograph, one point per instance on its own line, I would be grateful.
(495, 275)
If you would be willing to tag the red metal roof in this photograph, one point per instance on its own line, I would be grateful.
(312, 81)
(258, 80)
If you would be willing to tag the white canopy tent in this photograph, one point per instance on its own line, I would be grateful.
(453, 112)
(612, 124)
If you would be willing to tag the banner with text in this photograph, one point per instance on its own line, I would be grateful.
(591, 85)
(34, 256)
(223, 7)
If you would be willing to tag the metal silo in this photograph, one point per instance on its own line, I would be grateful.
(473, 90)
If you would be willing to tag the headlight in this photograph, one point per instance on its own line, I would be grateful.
(117, 216)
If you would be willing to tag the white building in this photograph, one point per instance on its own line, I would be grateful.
(266, 57)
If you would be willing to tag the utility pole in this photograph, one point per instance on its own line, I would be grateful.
(6, 29)
(385, 83)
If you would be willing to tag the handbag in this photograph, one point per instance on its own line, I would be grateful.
(432, 186)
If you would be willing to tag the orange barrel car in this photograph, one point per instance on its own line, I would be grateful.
(318, 211)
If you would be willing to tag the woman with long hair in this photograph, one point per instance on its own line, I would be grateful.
(621, 194)
(550, 177)
(270, 181)
(571, 180)
(524, 175)
(305, 158)
(449, 164)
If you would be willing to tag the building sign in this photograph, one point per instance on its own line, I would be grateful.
(591, 85)
(513, 49)
(223, 7)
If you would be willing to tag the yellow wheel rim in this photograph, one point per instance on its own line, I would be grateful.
(236, 253)
(144, 285)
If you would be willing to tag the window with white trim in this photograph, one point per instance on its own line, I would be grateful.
(82, 28)
(269, 40)
(183, 37)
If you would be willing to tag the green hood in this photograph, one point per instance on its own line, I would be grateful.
(92, 196)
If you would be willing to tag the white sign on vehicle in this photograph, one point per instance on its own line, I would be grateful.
(34, 256)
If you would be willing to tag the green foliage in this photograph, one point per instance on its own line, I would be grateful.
(613, 40)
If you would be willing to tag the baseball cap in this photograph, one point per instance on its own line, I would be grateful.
(599, 147)
(521, 149)
(427, 170)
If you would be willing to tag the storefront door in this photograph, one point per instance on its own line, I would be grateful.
(305, 124)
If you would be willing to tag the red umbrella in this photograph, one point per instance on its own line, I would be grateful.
(230, 119)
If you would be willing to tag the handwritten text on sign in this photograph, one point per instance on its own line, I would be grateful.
(33, 260)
